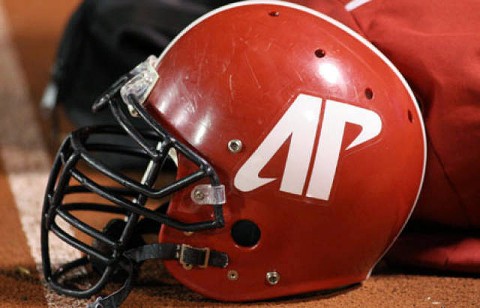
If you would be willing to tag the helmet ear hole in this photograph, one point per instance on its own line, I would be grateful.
(245, 233)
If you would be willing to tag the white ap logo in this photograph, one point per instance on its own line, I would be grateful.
(300, 122)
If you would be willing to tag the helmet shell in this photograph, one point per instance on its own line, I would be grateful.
(238, 72)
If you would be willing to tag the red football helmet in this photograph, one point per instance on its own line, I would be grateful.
(300, 152)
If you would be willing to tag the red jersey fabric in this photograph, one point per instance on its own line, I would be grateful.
(436, 46)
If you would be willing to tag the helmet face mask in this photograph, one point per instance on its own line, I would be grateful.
(300, 156)
(126, 195)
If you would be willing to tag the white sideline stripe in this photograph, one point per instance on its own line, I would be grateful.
(354, 4)
(25, 159)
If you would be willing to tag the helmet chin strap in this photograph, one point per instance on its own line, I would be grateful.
(187, 255)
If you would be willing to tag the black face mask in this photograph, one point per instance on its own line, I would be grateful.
(118, 249)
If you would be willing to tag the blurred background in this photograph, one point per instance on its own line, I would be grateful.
(35, 28)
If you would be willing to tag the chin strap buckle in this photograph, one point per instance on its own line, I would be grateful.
(190, 256)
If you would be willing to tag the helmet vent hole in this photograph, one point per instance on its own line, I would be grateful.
(245, 233)
(368, 93)
(320, 53)
(274, 13)
(410, 116)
